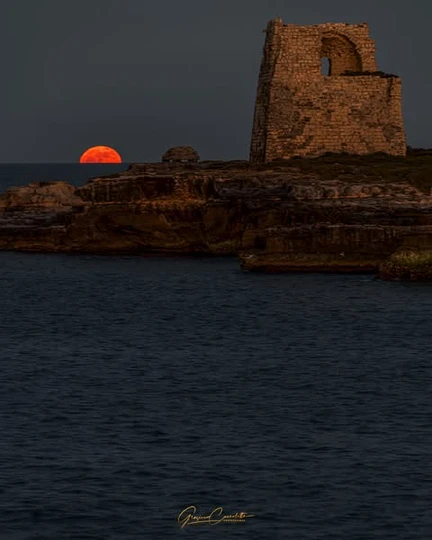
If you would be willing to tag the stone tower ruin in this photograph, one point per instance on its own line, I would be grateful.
(300, 111)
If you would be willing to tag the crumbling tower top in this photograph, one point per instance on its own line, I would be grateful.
(349, 47)
(301, 110)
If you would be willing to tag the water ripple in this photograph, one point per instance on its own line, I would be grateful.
(132, 388)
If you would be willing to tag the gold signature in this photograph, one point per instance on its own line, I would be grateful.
(188, 517)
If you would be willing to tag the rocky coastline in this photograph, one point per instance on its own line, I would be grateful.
(336, 213)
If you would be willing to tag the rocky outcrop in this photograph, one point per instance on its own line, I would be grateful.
(335, 227)
(41, 196)
(408, 265)
(342, 214)
(412, 261)
(182, 154)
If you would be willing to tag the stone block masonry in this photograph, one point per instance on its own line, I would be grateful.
(300, 111)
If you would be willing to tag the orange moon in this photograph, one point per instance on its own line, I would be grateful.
(100, 154)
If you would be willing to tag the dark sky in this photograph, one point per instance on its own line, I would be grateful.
(144, 75)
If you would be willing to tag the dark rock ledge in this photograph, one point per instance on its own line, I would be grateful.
(330, 214)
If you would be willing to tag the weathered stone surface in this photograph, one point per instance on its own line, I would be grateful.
(300, 111)
(42, 195)
(35, 217)
(182, 154)
(340, 214)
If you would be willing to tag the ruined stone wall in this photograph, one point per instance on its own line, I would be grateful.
(300, 111)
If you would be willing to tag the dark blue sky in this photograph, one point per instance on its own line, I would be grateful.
(144, 75)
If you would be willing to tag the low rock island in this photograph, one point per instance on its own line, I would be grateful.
(334, 213)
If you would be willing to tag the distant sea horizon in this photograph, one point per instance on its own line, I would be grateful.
(21, 174)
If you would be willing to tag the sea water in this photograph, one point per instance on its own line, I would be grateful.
(132, 388)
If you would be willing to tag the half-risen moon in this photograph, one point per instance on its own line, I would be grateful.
(100, 154)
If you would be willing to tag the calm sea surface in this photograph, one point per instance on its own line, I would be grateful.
(75, 173)
(132, 388)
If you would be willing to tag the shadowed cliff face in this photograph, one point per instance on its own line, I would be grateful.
(300, 215)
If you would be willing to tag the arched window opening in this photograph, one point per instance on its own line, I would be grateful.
(342, 54)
